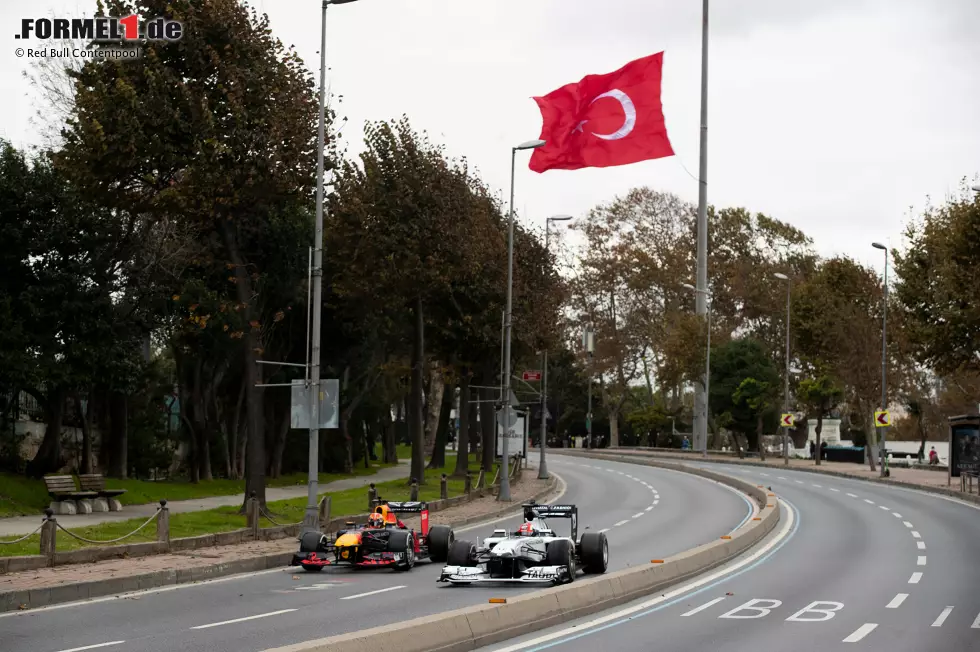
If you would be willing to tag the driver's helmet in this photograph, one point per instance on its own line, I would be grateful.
(526, 530)
(376, 521)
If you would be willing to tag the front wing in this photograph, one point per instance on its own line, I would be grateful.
(536, 574)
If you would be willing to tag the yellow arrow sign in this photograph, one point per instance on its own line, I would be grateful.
(788, 420)
(883, 418)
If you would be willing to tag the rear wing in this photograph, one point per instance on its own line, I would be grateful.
(534, 510)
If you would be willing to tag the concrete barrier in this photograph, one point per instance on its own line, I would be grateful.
(474, 627)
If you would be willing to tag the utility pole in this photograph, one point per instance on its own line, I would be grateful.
(700, 391)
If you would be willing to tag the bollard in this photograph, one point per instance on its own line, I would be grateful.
(415, 490)
(468, 484)
(49, 531)
(372, 497)
(324, 511)
(252, 515)
(443, 488)
(163, 522)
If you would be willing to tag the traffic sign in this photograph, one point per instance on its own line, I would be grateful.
(532, 375)
(788, 420)
(883, 418)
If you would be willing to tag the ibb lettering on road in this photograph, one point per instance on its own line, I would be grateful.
(101, 28)
(817, 611)
(750, 606)
(826, 613)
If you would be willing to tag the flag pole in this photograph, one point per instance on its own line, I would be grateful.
(701, 397)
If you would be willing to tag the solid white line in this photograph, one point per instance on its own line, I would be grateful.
(837, 490)
(907, 524)
(637, 515)
(897, 601)
(922, 560)
(942, 617)
(241, 620)
(870, 502)
(916, 535)
(364, 595)
(649, 508)
(852, 495)
(621, 523)
(915, 578)
(92, 647)
(921, 545)
(706, 605)
(670, 595)
(860, 632)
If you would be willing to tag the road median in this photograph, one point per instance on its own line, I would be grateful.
(474, 627)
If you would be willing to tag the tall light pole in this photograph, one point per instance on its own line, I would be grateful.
(542, 464)
(703, 436)
(504, 494)
(588, 343)
(789, 285)
(884, 358)
(701, 395)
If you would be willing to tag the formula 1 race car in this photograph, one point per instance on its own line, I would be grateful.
(534, 553)
(383, 541)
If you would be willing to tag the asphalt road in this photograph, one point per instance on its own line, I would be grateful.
(861, 566)
(647, 513)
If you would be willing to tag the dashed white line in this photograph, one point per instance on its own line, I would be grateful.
(852, 495)
(921, 545)
(621, 523)
(861, 632)
(921, 561)
(908, 525)
(887, 509)
(837, 490)
(896, 515)
(916, 535)
(976, 623)
(942, 617)
(779, 477)
(799, 482)
(765, 474)
(364, 595)
(241, 620)
(818, 486)
(915, 578)
(870, 502)
(702, 607)
(656, 502)
(637, 515)
(630, 477)
(649, 508)
(92, 647)
(897, 601)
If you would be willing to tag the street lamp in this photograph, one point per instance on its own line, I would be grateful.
(703, 430)
(789, 285)
(504, 494)
(542, 465)
(884, 358)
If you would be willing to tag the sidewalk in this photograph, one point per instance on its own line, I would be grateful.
(19, 525)
(44, 586)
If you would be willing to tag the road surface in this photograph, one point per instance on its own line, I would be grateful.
(648, 513)
(852, 565)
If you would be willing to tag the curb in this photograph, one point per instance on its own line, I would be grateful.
(26, 599)
(471, 628)
(951, 493)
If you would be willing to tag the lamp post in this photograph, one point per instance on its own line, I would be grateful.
(311, 516)
(789, 285)
(542, 464)
(504, 494)
(884, 359)
(701, 280)
(703, 430)
(588, 343)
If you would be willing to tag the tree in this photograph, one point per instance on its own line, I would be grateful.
(820, 395)
(759, 398)
(744, 381)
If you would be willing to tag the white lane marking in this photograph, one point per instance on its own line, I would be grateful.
(907, 524)
(779, 477)
(818, 486)
(861, 632)
(870, 502)
(670, 595)
(630, 477)
(637, 515)
(765, 474)
(92, 647)
(832, 489)
(364, 595)
(976, 623)
(706, 605)
(897, 601)
(884, 508)
(619, 472)
(916, 535)
(896, 515)
(942, 617)
(799, 482)
(656, 502)
(649, 508)
(621, 523)
(921, 545)
(852, 495)
(647, 485)
(241, 620)
(613, 471)
(921, 561)
(915, 578)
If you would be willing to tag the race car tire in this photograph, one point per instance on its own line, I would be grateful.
(311, 542)
(460, 553)
(441, 537)
(562, 553)
(594, 553)
(402, 541)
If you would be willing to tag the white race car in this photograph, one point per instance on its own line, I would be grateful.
(534, 553)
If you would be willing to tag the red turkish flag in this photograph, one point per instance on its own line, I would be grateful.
(604, 120)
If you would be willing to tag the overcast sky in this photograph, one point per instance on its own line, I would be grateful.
(837, 116)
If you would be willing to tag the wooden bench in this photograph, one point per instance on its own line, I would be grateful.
(107, 497)
(62, 488)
